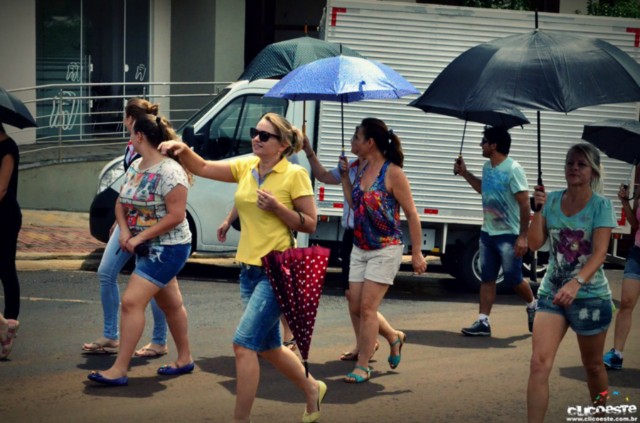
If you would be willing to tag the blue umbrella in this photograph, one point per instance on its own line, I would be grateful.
(344, 79)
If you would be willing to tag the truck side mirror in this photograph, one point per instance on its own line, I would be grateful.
(192, 139)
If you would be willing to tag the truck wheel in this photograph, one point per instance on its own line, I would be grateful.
(450, 261)
(469, 266)
(194, 234)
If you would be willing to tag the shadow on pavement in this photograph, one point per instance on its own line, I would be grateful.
(331, 372)
(627, 378)
(447, 339)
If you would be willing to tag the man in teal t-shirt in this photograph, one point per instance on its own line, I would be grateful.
(503, 237)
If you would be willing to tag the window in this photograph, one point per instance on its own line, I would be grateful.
(227, 134)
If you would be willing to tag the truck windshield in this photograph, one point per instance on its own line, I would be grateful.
(198, 115)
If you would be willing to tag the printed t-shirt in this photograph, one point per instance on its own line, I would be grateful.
(143, 197)
(571, 240)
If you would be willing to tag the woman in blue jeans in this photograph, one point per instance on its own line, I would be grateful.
(114, 259)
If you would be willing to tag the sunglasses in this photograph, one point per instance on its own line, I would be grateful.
(263, 136)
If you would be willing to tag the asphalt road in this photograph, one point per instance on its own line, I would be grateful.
(443, 377)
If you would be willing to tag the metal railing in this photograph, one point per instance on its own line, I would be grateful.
(89, 116)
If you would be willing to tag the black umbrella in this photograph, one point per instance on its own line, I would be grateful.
(13, 111)
(540, 70)
(617, 138)
(278, 59)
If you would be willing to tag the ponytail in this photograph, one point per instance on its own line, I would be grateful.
(386, 140)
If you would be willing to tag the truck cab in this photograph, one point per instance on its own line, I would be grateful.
(219, 131)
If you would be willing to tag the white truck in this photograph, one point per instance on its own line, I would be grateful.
(418, 41)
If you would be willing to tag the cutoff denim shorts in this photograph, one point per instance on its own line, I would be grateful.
(496, 251)
(632, 268)
(587, 317)
(163, 263)
(259, 328)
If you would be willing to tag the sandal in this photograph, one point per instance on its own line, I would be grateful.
(149, 352)
(6, 343)
(353, 356)
(356, 378)
(291, 344)
(394, 360)
(101, 346)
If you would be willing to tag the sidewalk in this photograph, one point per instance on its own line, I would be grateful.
(48, 235)
(61, 240)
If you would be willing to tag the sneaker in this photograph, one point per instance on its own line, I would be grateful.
(612, 360)
(478, 328)
(531, 314)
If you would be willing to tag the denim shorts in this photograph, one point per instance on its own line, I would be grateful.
(498, 251)
(587, 317)
(632, 268)
(163, 263)
(375, 265)
(259, 328)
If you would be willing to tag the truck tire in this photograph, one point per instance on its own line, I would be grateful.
(450, 262)
(470, 275)
(469, 266)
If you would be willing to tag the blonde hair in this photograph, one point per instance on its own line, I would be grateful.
(592, 155)
(289, 135)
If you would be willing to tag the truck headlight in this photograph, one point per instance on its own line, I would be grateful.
(110, 175)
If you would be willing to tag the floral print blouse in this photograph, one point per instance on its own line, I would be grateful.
(571, 244)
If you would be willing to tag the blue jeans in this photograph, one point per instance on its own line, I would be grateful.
(110, 266)
(496, 251)
(259, 328)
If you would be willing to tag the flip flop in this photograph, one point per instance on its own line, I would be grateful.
(101, 346)
(291, 344)
(6, 343)
(351, 356)
(149, 352)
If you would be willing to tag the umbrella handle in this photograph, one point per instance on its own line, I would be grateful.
(532, 202)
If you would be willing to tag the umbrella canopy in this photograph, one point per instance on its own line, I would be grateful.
(14, 112)
(278, 59)
(540, 70)
(507, 117)
(297, 276)
(617, 138)
(344, 79)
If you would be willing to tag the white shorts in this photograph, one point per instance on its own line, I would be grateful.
(375, 265)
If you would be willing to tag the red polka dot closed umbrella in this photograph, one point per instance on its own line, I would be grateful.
(297, 276)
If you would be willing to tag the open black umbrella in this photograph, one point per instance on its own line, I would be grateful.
(540, 70)
(278, 59)
(13, 111)
(617, 138)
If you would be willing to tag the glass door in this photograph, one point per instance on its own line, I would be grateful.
(105, 43)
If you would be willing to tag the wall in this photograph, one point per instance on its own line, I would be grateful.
(229, 40)
(67, 186)
(161, 49)
(18, 53)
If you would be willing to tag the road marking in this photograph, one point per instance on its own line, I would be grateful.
(60, 300)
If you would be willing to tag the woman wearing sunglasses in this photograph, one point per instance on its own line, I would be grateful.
(273, 198)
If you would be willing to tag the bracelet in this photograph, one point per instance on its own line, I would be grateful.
(580, 281)
(309, 155)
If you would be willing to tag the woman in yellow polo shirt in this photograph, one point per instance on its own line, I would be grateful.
(273, 198)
